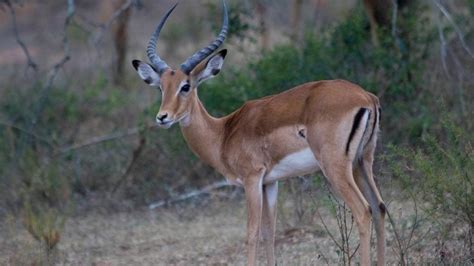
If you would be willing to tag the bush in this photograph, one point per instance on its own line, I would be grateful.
(440, 172)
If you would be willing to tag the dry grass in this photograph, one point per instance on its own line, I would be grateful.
(211, 234)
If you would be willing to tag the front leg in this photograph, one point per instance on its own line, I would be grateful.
(270, 193)
(254, 196)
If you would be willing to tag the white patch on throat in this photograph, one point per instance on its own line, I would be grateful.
(298, 163)
(185, 120)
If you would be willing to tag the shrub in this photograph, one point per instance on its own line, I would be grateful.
(440, 172)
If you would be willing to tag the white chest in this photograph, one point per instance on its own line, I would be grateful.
(294, 164)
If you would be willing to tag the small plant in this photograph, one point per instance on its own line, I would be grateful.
(44, 200)
(45, 225)
(410, 228)
(343, 233)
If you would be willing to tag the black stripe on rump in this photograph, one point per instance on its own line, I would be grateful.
(373, 126)
(357, 119)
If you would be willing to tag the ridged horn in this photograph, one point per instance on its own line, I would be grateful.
(155, 59)
(196, 58)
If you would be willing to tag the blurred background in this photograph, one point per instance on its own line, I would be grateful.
(86, 177)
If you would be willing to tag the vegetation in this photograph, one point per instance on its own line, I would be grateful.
(82, 143)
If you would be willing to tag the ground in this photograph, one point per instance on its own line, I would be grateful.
(213, 234)
(211, 231)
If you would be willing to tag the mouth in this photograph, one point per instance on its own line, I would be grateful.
(165, 124)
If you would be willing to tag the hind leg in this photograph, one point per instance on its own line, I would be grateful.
(365, 180)
(367, 163)
(342, 182)
(336, 161)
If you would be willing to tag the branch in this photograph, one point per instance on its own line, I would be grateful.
(105, 26)
(443, 49)
(66, 57)
(324, 224)
(12, 126)
(136, 153)
(394, 24)
(55, 69)
(455, 26)
(31, 63)
(189, 195)
(397, 237)
(97, 140)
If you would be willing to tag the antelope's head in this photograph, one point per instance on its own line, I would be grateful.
(179, 87)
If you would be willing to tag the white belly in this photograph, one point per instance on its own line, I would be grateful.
(298, 163)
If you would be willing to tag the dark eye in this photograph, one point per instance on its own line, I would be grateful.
(185, 88)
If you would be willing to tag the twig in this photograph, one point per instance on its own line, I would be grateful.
(460, 77)
(12, 126)
(189, 195)
(31, 63)
(136, 154)
(66, 57)
(327, 229)
(394, 23)
(443, 49)
(85, 22)
(355, 251)
(455, 26)
(55, 69)
(99, 139)
(397, 238)
(415, 223)
(105, 26)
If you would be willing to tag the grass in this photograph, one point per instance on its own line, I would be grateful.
(205, 233)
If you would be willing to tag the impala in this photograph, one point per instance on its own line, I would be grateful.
(329, 126)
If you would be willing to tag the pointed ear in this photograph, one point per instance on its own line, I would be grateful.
(211, 68)
(147, 73)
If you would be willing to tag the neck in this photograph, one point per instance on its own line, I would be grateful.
(203, 133)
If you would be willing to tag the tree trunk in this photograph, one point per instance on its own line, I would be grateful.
(296, 19)
(119, 31)
(380, 14)
(263, 27)
(318, 8)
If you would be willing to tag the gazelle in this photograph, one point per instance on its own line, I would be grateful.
(330, 126)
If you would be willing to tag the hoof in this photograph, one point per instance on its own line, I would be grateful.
(382, 207)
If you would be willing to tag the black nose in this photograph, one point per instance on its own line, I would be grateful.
(162, 117)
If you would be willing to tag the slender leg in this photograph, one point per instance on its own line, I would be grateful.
(270, 193)
(361, 215)
(367, 162)
(253, 194)
(377, 204)
(342, 182)
(336, 165)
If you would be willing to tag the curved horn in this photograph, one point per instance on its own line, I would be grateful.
(151, 48)
(196, 58)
